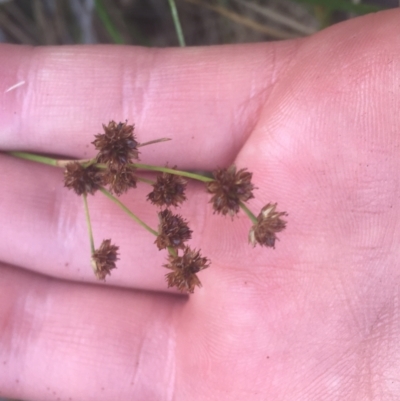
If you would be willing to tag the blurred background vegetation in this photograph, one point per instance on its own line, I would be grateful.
(149, 22)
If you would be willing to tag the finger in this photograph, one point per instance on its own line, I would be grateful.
(68, 341)
(54, 100)
(44, 228)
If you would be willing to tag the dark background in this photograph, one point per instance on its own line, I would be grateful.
(149, 22)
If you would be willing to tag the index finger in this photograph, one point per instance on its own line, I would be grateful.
(54, 99)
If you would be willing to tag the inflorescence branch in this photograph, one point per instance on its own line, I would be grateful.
(115, 170)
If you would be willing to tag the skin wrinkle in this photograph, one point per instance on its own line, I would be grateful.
(339, 383)
(361, 345)
(374, 334)
(258, 99)
(200, 214)
(390, 373)
(65, 212)
(67, 217)
(338, 372)
(156, 379)
(21, 97)
(39, 90)
(136, 90)
(170, 365)
(28, 323)
(133, 90)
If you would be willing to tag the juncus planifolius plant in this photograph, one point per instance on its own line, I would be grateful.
(116, 169)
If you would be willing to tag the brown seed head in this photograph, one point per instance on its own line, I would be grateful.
(169, 190)
(104, 258)
(117, 146)
(82, 180)
(184, 269)
(269, 223)
(229, 189)
(121, 179)
(173, 230)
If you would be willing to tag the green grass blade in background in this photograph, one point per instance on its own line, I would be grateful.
(177, 23)
(342, 5)
(108, 24)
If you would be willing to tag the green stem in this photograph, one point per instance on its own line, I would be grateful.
(177, 23)
(248, 212)
(194, 176)
(147, 181)
(154, 141)
(127, 211)
(89, 225)
(62, 163)
(106, 20)
(172, 251)
(35, 158)
(84, 162)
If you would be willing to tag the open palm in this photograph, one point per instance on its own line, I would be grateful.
(317, 122)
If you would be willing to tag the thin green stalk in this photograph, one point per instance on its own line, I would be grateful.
(128, 212)
(62, 163)
(177, 23)
(172, 251)
(194, 176)
(248, 212)
(154, 141)
(106, 20)
(36, 158)
(89, 225)
(147, 181)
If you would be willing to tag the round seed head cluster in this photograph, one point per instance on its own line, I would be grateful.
(269, 222)
(104, 258)
(82, 180)
(173, 230)
(121, 179)
(117, 146)
(229, 188)
(184, 269)
(169, 190)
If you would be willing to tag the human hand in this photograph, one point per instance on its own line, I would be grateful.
(316, 120)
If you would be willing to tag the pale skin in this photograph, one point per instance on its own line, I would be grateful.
(317, 122)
